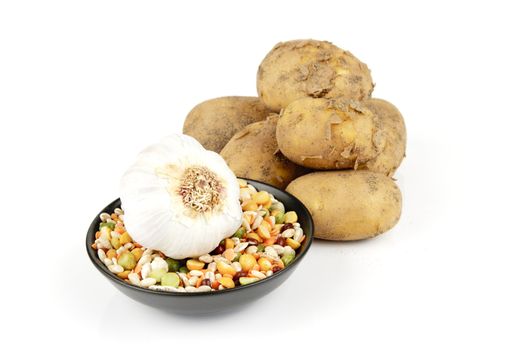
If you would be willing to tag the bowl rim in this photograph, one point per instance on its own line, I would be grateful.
(93, 256)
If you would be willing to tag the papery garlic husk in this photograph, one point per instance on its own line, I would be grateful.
(180, 199)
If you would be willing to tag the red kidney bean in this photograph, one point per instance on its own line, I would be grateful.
(286, 227)
(206, 282)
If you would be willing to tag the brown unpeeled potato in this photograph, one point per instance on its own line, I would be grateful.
(343, 134)
(252, 153)
(392, 124)
(310, 68)
(214, 122)
(349, 205)
(328, 134)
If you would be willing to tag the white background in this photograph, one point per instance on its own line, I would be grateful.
(85, 85)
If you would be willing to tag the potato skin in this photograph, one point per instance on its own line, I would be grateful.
(392, 126)
(302, 68)
(349, 205)
(214, 122)
(328, 134)
(253, 153)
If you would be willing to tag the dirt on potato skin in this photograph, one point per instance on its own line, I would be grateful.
(214, 122)
(311, 68)
(253, 153)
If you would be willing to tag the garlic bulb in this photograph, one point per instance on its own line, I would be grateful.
(180, 198)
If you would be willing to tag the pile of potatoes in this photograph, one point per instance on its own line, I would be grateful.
(315, 131)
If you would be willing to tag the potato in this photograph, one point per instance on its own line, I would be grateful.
(252, 153)
(302, 68)
(349, 205)
(343, 134)
(214, 122)
(328, 134)
(393, 128)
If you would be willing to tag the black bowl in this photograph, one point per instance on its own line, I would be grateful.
(206, 302)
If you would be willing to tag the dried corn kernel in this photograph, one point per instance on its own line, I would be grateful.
(225, 269)
(137, 253)
(263, 231)
(124, 274)
(125, 238)
(265, 264)
(261, 197)
(247, 262)
(292, 243)
(250, 206)
(112, 253)
(290, 217)
(255, 236)
(227, 282)
(228, 243)
(193, 264)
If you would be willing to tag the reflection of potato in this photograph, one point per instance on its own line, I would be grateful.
(349, 205)
(302, 68)
(328, 134)
(393, 128)
(213, 122)
(252, 153)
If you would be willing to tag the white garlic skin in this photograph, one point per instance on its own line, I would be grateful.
(158, 219)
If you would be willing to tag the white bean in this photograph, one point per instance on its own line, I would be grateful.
(196, 273)
(193, 280)
(146, 270)
(257, 222)
(184, 279)
(240, 247)
(212, 266)
(163, 288)
(159, 264)
(146, 282)
(116, 268)
(101, 254)
(134, 278)
(257, 274)
(288, 250)
(288, 233)
(278, 248)
(144, 259)
(104, 217)
(203, 288)
(210, 275)
(237, 266)
(108, 262)
(271, 252)
(298, 234)
(251, 249)
(121, 250)
(206, 258)
(246, 225)
(103, 243)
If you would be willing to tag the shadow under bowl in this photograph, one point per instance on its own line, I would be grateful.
(214, 301)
